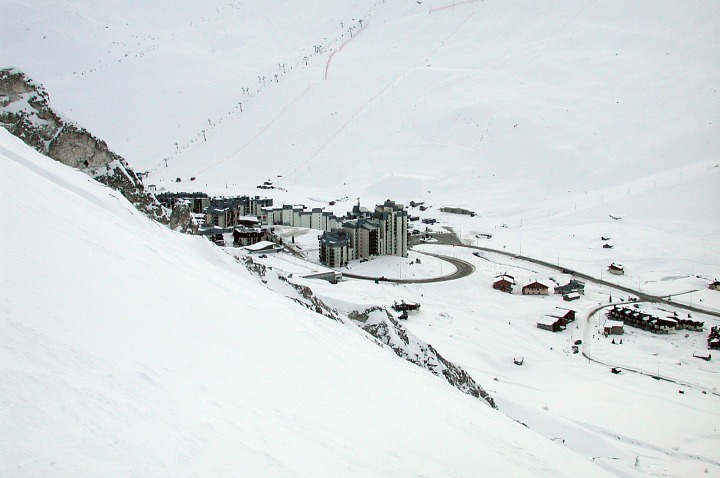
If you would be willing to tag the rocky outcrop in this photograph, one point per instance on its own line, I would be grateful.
(25, 111)
(380, 327)
(181, 218)
(384, 327)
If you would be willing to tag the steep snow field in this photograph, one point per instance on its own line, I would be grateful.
(129, 349)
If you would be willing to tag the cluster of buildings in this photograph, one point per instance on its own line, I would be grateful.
(657, 325)
(570, 291)
(361, 233)
(364, 234)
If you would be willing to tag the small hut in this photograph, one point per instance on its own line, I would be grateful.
(613, 327)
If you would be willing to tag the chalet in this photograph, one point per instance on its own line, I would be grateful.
(535, 288)
(715, 285)
(504, 283)
(571, 296)
(548, 322)
(616, 269)
(613, 327)
(572, 286)
(567, 315)
(713, 339)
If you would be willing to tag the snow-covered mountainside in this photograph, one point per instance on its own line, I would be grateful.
(470, 103)
(130, 349)
(26, 112)
(521, 112)
(581, 133)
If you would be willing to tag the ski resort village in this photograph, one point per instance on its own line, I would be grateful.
(368, 238)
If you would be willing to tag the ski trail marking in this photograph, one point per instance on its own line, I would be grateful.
(327, 64)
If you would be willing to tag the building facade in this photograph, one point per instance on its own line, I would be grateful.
(382, 232)
(334, 248)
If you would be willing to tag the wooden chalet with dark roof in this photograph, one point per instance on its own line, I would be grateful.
(713, 339)
(553, 324)
(567, 315)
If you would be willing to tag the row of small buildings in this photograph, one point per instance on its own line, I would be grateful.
(657, 325)
(570, 291)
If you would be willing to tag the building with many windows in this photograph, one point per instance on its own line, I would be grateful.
(334, 248)
(371, 233)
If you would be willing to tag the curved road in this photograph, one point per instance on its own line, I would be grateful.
(463, 269)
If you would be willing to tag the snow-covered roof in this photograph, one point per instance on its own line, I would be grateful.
(506, 277)
(509, 280)
(613, 323)
(208, 229)
(560, 312)
(536, 285)
(548, 320)
(260, 246)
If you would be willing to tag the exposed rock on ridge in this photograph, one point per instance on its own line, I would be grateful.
(380, 327)
(384, 327)
(25, 111)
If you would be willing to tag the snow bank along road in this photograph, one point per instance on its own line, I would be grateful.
(463, 269)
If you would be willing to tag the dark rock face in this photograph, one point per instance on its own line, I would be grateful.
(25, 111)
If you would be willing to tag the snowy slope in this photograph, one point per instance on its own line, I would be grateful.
(488, 104)
(130, 349)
